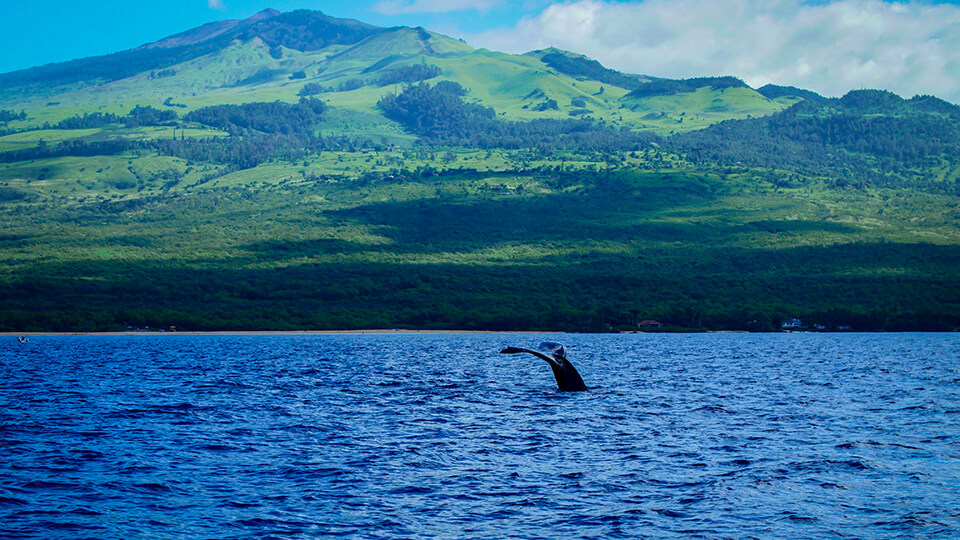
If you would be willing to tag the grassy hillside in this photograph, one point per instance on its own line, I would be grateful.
(145, 241)
(294, 171)
(245, 65)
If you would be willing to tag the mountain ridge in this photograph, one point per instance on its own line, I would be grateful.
(208, 31)
(272, 55)
(307, 33)
(298, 171)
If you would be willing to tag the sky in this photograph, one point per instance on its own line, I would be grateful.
(830, 46)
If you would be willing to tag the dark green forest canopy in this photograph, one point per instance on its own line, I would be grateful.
(591, 69)
(379, 200)
(275, 118)
(440, 116)
(580, 251)
(665, 87)
(871, 136)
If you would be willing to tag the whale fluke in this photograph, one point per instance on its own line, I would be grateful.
(568, 379)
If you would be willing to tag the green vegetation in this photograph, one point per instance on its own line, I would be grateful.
(439, 115)
(295, 246)
(276, 117)
(666, 87)
(7, 116)
(579, 66)
(867, 136)
(409, 74)
(299, 172)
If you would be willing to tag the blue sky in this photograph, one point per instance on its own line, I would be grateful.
(830, 46)
(37, 32)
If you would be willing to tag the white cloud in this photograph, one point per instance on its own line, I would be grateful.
(399, 7)
(830, 47)
(216, 4)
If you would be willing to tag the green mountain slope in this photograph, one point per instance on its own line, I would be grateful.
(867, 136)
(273, 56)
(302, 30)
(295, 171)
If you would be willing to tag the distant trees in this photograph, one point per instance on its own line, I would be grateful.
(312, 89)
(276, 117)
(871, 135)
(548, 104)
(87, 121)
(450, 87)
(138, 116)
(9, 115)
(576, 66)
(162, 73)
(148, 116)
(409, 74)
(259, 132)
(350, 84)
(439, 115)
(169, 103)
(72, 147)
(666, 87)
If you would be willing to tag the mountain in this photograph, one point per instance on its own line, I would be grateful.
(273, 55)
(299, 171)
(208, 31)
(305, 30)
(871, 136)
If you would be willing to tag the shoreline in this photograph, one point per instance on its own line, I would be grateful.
(376, 331)
(398, 331)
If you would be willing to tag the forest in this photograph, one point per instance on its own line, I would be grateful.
(591, 69)
(440, 116)
(584, 251)
(839, 212)
(295, 171)
(872, 136)
(665, 87)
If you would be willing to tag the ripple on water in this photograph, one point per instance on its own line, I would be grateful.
(438, 436)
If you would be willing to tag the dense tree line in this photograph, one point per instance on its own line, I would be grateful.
(244, 152)
(409, 74)
(710, 282)
(666, 87)
(10, 115)
(259, 132)
(71, 147)
(138, 116)
(577, 66)
(873, 136)
(312, 89)
(774, 91)
(439, 115)
(148, 116)
(273, 118)
(88, 121)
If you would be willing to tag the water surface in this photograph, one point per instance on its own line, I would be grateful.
(438, 436)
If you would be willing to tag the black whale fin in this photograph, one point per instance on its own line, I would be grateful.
(568, 379)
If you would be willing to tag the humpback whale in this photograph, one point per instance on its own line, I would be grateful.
(568, 380)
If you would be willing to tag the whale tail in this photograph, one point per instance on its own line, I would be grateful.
(555, 354)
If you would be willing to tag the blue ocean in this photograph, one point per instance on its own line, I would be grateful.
(439, 436)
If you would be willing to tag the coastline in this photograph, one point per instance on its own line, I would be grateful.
(375, 331)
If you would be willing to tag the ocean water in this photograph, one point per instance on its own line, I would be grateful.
(439, 436)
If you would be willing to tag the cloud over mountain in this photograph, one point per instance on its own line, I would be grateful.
(830, 47)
